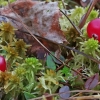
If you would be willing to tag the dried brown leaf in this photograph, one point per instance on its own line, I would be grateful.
(41, 18)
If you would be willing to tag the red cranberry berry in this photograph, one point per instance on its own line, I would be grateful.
(93, 29)
(2, 63)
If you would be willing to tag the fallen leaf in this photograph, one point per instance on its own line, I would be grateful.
(92, 81)
(64, 92)
(41, 18)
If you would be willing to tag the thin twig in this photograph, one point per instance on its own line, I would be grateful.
(85, 97)
(63, 65)
(75, 27)
(77, 94)
(92, 4)
(74, 91)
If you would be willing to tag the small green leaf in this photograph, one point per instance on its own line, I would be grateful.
(50, 63)
(28, 95)
(66, 71)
